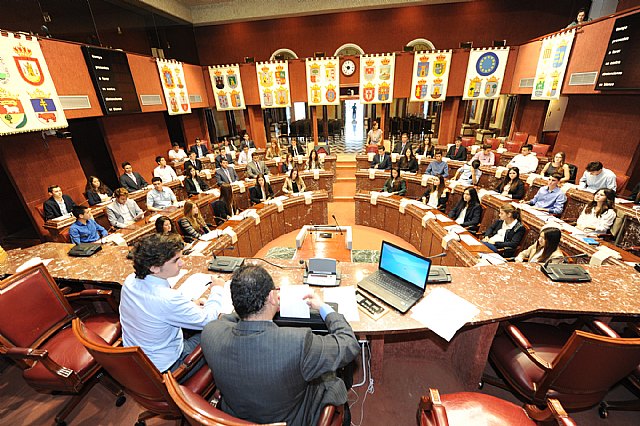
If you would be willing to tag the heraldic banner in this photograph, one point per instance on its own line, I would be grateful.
(323, 81)
(552, 65)
(485, 72)
(430, 76)
(28, 98)
(174, 87)
(376, 78)
(227, 87)
(273, 84)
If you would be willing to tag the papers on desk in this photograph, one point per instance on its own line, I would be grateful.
(444, 312)
(174, 280)
(442, 218)
(237, 217)
(622, 201)
(602, 254)
(210, 235)
(567, 186)
(33, 262)
(153, 218)
(116, 239)
(502, 197)
(491, 259)
(195, 286)
(345, 298)
(457, 229)
(427, 216)
(213, 191)
(198, 248)
(326, 280)
(292, 304)
(469, 240)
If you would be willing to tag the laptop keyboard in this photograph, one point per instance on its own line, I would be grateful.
(392, 286)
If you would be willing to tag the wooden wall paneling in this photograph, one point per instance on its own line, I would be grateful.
(318, 214)
(266, 232)
(449, 126)
(404, 226)
(425, 240)
(391, 221)
(416, 231)
(277, 224)
(196, 84)
(377, 215)
(249, 80)
(244, 243)
(530, 116)
(526, 62)
(457, 73)
(291, 214)
(194, 126)
(404, 68)
(147, 80)
(363, 212)
(298, 80)
(255, 126)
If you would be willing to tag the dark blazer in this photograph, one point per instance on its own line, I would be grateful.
(442, 200)
(422, 150)
(221, 212)
(255, 195)
(284, 168)
(188, 164)
(408, 166)
(190, 187)
(220, 157)
(400, 150)
(250, 357)
(388, 187)
(384, 163)
(94, 198)
(250, 143)
(189, 233)
(471, 218)
(52, 209)
(194, 148)
(516, 191)
(300, 150)
(512, 237)
(634, 194)
(130, 185)
(460, 156)
(221, 177)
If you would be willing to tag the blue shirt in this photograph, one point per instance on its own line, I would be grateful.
(161, 199)
(550, 200)
(437, 168)
(152, 315)
(86, 233)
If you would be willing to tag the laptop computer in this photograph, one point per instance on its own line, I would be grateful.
(400, 279)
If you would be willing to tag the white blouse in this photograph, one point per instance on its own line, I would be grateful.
(600, 224)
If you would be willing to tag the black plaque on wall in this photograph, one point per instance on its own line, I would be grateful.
(621, 65)
(111, 76)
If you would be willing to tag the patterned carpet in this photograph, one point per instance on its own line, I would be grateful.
(357, 256)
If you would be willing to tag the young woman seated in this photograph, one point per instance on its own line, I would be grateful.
(293, 183)
(408, 162)
(96, 191)
(261, 191)
(598, 216)
(225, 206)
(512, 186)
(164, 226)
(468, 211)
(557, 166)
(192, 225)
(273, 150)
(469, 174)
(545, 249)
(505, 233)
(287, 165)
(193, 183)
(395, 184)
(436, 194)
(314, 162)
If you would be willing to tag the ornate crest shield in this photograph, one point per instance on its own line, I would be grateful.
(539, 88)
(11, 110)
(167, 78)
(491, 88)
(184, 101)
(173, 103)
(266, 77)
(555, 79)
(43, 106)
(369, 92)
(474, 87)
(232, 79)
(219, 79)
(28, 67)
(369, 70)
(223, 101)
(4, 72)
(330, 95)
(383, 92)
(282, 96)
(179, 82)
(439, 65)
(314, 73)
(558, 57)
(316, 94)
(267, 98)
(235, 99)
(281, 75)
(422, 70)
(385, 69)
(421, 89)
(436, 89)
(330, 71)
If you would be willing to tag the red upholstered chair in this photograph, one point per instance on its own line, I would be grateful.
(540, 149)
(34, 331)
(469, 408)
(495, 143)
(140, 378)
(372, 148)
(497, 156)
(198, 411)
(513, 146)
(520, 137)
(468, 141)
(621, 182)
(540, 361)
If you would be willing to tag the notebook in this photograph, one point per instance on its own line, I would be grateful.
(400, 279)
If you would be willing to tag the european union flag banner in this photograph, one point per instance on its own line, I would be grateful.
(552, 66)
(485, 73)
(227, 87)
(28, 98)
(430, 76)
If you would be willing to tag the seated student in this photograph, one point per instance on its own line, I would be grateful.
(436, 194)
(123, 212)
(402, 146)
(177, 154)
(220, 155)
(153, 315)
(469, 174)
(408, 162)
(273, 150)
(485, 156)
(85, 229)
(228, 146)
(245, 155)
(545, 249)
(598, 216)
(130, 180)
(96, 191)
(438, 167)
(597, 177)
(58, 204)
(199, 148)
(635, 194)
(526, 161)
(247, 141)
(558, 165)
(164, 226)
(381, 160)
(395, 184)
(468, 211)
(225, 206)
(160, 197)
(256, 167)
(511, 185)
(295, 148)
(550, 198)
(226, 174)
(506, 232)
(457, 151)
(164, 172)
(261, 191)
(427, 148)
(193, 183)
(288, 164)
(314, 162)
(293, 183)
(192, 225)
(267, 373)
(193, 162)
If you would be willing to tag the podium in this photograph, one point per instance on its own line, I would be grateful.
(324, 241)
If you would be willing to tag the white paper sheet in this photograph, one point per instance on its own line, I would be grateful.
(321, 279)
(345, 297)
(210, 235)
(444, 312)
(199, 247)
(442, 218)
(33, 262)
(195, 286)
(292, 304)
(469, 240)
(457, 229)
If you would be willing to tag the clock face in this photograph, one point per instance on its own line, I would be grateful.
(348, 67)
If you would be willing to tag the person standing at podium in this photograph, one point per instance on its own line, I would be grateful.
(395, 185)
(293, 184)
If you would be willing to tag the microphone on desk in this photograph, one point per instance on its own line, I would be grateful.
(435, 256)
(563, 272)
(336, 220)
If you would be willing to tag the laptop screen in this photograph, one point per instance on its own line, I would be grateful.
(404, 264)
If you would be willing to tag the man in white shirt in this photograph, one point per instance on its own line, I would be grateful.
(526, 162)
(176, 153)
(164, 172)
(596, 177)
(245, 156)
(123, 212)
(160, 197)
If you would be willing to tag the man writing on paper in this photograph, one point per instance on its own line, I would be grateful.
(267, 373)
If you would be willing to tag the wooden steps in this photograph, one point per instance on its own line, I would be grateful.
(344, 187)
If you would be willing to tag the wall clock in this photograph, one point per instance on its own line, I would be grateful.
(348, 68)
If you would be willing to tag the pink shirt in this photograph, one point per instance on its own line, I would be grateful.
(485, 160)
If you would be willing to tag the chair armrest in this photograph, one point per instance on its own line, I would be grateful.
(558, 412)
(433, 405)
(40, 355)
(527, 348)
(602, 329)
(97, 294)
(188, 363)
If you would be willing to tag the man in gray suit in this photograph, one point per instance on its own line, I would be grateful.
(255, 168)
(123, 212)
(267, 373)
(225, 174)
